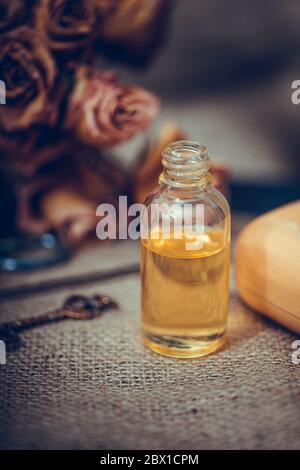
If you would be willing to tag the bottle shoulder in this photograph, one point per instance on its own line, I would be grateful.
(220, 200)
(211, 198)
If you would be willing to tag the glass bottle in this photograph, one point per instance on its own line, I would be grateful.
(185, 265)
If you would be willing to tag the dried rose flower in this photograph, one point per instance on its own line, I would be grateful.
(66, 195)
(68, 24)
(65, 210)
(29, 74)
(103, 113)
(133, 28)
(14, 13)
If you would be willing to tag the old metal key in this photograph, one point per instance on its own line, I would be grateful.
(76, 307)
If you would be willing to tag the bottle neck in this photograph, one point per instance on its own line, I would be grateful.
(186, 166)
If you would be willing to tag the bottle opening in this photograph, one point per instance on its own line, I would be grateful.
(186, 150)
(186, 164)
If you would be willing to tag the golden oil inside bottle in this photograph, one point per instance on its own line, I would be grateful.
(185, 294)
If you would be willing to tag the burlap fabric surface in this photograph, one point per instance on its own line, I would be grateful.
(92, 384)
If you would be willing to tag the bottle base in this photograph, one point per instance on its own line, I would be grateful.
(182, 347)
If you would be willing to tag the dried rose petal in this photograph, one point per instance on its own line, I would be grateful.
(132, 29)
(14, 13)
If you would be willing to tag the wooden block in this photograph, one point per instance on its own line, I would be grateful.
(267, 265)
